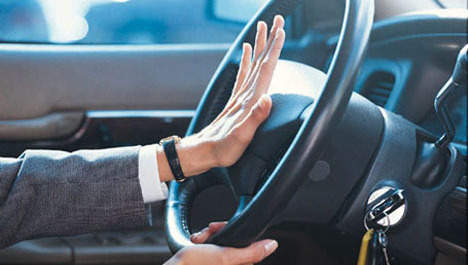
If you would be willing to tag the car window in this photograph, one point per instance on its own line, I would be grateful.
(120, 21)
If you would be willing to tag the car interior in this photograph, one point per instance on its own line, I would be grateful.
(368, 126)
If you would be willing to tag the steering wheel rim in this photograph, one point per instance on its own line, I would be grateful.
(327, 111)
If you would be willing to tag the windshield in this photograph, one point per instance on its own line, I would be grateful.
(121, 21)
(148, 21)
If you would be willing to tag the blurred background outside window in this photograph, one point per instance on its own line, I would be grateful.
(124, 21)
(135, 21)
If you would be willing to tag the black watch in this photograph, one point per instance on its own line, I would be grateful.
(169, 146)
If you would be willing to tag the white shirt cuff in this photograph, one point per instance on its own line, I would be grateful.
(151, 187)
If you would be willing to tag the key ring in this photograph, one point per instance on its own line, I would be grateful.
(387, 226)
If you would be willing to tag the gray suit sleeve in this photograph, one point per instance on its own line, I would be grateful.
(55, 193)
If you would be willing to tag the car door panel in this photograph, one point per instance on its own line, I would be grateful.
(37, 80)
(53, 96)
(51, 126)
(76, 97)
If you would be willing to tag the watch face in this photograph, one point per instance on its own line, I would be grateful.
(167, 139)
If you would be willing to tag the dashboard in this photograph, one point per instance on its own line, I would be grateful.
(409, 60)
(410, 57)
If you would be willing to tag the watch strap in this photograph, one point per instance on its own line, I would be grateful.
(169, 147)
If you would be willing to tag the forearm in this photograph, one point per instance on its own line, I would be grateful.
(52, 193)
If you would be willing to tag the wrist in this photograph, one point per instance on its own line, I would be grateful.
(195, 157)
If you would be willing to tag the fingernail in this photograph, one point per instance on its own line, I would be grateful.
(271, 246)
(196, 235)
(259, 23)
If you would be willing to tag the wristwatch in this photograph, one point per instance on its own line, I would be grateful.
(169, 146)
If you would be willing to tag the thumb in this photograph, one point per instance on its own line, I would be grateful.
(258, 114)
(202, 236)
(254, 253)
(261, 109)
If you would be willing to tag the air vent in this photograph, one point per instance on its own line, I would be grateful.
(378, 87)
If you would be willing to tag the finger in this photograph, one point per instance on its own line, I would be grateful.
(260, 39)
(248, 72)
(244, 66)
(245, 130)
(202, 236)
(260, 42)
(241, 74)
(245, 69)
(199, 237)
(262, 80)
(215, 227)
(278, 23)
(254, 253)
(268, 66)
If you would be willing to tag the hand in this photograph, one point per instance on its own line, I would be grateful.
(211, 254)
(222, 142)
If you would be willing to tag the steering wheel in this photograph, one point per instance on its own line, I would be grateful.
(267, 175)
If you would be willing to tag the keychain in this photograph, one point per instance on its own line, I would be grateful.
(374, 244)
(375, 252)
(386, 207)
(382, 238)
(363, 252)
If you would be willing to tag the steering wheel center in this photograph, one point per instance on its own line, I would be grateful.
(293, 89)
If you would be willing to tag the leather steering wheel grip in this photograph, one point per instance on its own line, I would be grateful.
(290, 172)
